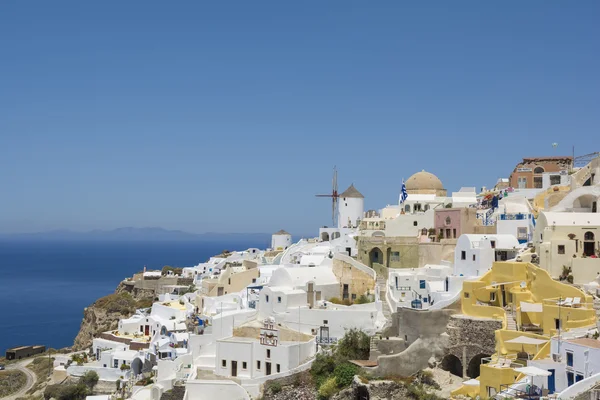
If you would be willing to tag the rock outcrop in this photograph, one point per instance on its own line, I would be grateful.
(105, 313)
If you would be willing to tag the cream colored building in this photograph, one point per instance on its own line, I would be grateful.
(569, 240)
(233, 278)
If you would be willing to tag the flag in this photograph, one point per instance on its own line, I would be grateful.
(403, 194)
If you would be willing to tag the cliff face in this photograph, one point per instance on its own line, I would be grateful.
(105, 313)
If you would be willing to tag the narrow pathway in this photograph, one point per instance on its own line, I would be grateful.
(31, 378)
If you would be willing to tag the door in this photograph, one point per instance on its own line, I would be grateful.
(268, 368)
(147, 330)
(503, 295)
(349, 250)
(345, 294)
(233, 368)
(551, 382)
(220, 291)
(570, 378)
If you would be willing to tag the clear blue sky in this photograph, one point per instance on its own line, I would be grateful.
(229, 116)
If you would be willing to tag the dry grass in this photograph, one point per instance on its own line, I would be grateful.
(11, 381)
(42, 367)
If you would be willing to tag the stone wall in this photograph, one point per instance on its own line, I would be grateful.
(414, 324)
(358, 282)
(470, 338)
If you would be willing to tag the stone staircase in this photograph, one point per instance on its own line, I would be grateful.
(511, 323)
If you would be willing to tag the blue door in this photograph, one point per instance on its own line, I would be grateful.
(551, 384)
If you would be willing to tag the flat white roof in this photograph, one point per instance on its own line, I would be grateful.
(570, 218)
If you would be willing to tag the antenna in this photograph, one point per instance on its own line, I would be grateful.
(334, 197)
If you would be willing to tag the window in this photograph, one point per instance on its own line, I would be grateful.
(522, 233)
(537, 182)
(279, 299)
(473, 257)
(268, 353)
(278, 368)
(588, 236)
(538, 170)
(395, 256)
(244, 365)
(578, 377)
(448, 233)
(555, 179)
(421, 284)
(229, 281)
(463, 255)
(570, 379)
(258, 364)
(522, 182)
(415, 223)
(493, 244)
(253, 280)
(561, 249)
(448, 221)
(224, 363)
(454, 233)
(441, 233)
(267, 298)
(492, 297)
(353, 296)
(116, 364)
(466, 295)
(325, 322)
(407, 208)
(569, 359)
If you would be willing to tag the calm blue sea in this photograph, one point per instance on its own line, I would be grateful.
(45, 285)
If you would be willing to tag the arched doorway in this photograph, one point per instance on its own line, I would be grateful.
(136, 366)
(474, 368)
(452, 364)
(325, 237)
(589, 245)
(375, 256)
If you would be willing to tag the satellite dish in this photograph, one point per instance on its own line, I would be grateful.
(554, 145)
(523, 285)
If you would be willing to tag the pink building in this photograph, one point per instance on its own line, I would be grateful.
(450, 223)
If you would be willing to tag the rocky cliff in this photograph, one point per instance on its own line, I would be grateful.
(105, 313)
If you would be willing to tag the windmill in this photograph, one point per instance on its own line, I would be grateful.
(334, 197)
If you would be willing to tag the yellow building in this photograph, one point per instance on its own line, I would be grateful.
(532, 307)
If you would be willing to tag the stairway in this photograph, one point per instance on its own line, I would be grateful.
(511, 324)
(387, 313)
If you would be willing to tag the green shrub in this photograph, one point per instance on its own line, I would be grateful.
(321, 368)
(90, 379)
(355, 345)
(328, 388)
(125, 367)
(66, 392)
(344, 374)
(363, 299)
(275, 387)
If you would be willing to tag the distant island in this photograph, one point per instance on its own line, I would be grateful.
(135, 234)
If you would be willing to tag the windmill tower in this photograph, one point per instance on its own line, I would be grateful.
(334, 198)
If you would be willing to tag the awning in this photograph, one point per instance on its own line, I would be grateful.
(471, 382)
(527, 340)
(533, 371)
(531, 307)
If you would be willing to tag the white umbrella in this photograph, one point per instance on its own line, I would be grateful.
(533, 371)
(471, 382)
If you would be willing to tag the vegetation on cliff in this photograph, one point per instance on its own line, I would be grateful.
(11, 381)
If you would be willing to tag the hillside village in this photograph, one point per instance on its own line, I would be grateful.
(493, 292)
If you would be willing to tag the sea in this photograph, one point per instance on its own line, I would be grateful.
(45, 285)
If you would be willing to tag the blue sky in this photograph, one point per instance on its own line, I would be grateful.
(229, 116)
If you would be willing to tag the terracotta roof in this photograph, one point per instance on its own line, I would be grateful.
(281, 232)
(548, 158)
(588, 342)
(352, 192)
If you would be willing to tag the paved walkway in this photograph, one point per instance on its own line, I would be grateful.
(31, 378)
